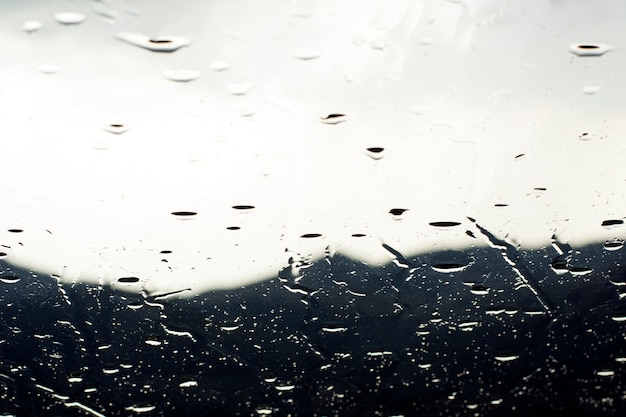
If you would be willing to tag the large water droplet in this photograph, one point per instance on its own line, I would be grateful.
(158, 44)
(589, 49)
(444, 224)
(614, 244)
(9, 279)
(181, 75)
(612, 223)
(396, 213)
(128, 280)
(69, 18)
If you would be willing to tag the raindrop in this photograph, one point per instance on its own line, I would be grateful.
(160, 44)
(559, 265)
(609, 224)
(306, 54)
(479, 289)
(470, 234)
(500, 205)
(247, 111)
(116, 128)
(166, 251)
(444, 224)
(30, 26)
(3, 255)
(375, 152)
(585, 136)
(591, 89)
(128, 280)
(311, 235)
(10, 279)
(48, 68)
(243, 207)
(188, 382)
(182, 75)
(184, 214)
(153, 340)
(233, 228)
(397, 211)
(578, 271)
(334, 118)
(219, 66)
(518, 156)
(506, 358)
(605, 373)
(450, 262)
(359, 235)
(614, 244)
(69, 18)
(588, 49)
(449, 267)
(238, 89)
(15, 230)
(75, 377)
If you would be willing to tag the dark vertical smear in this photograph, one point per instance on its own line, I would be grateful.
(511, 256)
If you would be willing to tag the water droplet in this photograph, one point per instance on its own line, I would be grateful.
(605, 373)
(359, 235)
(306, 54)
(238, 89)
(519, 156)
(3, 255)
(9, 279)
(263, 411)
(578, 271)
(30, 26)
(188, 382)
(612, 223)
(444, 224)
(591, 89)
(449, 262)
(166, 251)
(181, 76)
(506, 358)
(247, 111)
(588, 49)
(128, 280)
(116, 128)
(311, 235)
(479, 289)
(48, 68)
(75, 377)
(397, 212)
(140, 408)
(619, 318)
(243, 207)
(613, 244)
(500, 205)
(69, 18)
(184, 214)
(153, 340)
(233, 228)
(219, 66)
(334, 118)
(585, 136)
(159, 44)
(375, 152)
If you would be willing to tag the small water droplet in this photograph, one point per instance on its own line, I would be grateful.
(233, 228)
(506, 358)
(585, 136)
(184, 214)
(479, 289)
(243, 207)
(376, 152)
(188, 382)
(589, 49)
(159, 44)
(181, 75)
(247, 111)
(69, 18)
(238, 89)
(578, 271)
(75, 377)
(153, 340)
(219, 66)
(396, 213)
(311, 235)
(128, 280)
(31, 26)
(334, 118)
(116, 128)
(591, 89)
(613, 244)
(612, 223)
(359, 235)
(3, 255)
(605, 373)
(48, 69)
(449, 262)
(306, 54)
(444, 224)
(9, 279)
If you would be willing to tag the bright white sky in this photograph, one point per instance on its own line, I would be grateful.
(453, 91)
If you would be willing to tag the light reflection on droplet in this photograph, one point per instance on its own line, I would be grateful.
(9, 279)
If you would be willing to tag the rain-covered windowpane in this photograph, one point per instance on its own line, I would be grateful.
(313, 208)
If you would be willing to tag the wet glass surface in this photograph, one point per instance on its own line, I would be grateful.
(358, 208)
